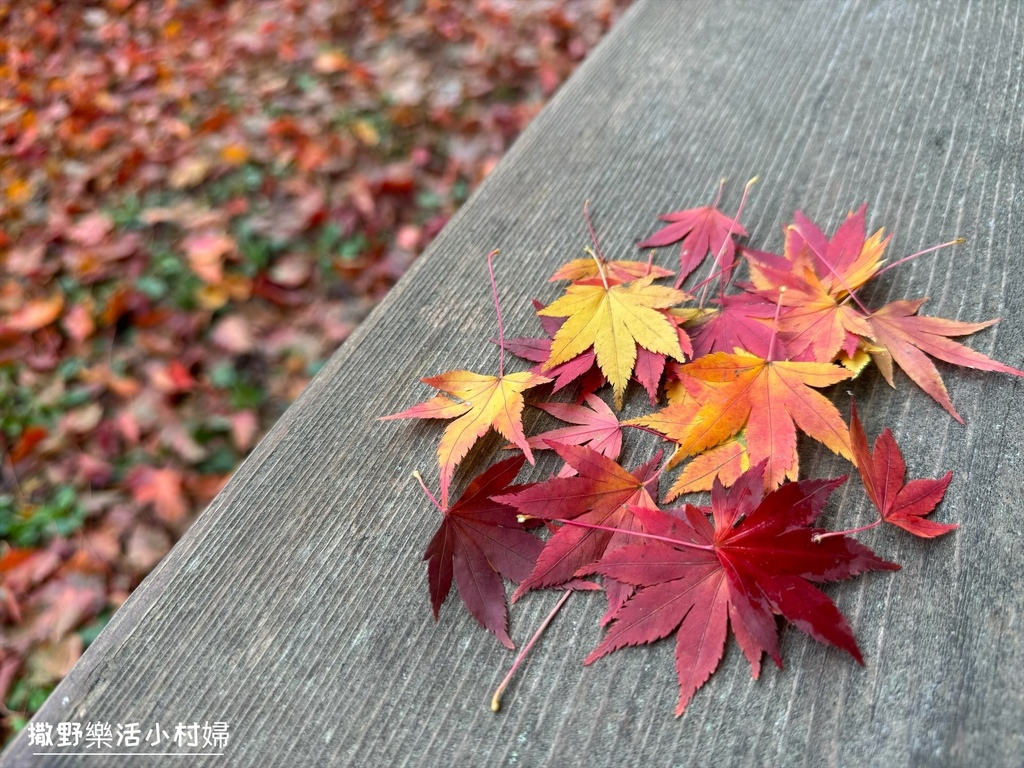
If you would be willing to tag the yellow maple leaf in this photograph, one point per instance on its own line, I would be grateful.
(614, 320)
(483, 402)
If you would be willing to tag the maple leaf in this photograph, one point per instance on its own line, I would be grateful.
(596, 426)
(650, 366)
(756, 560)
(701, 231)
(479, 541)
(741, 320)
(900, 335)
(34, 315)
(163, 489)
(883, 472)
(599, 494)
(614, 320)
(844, 263)
(647, 371)
(813, 282)
(769, 398)
(682, 388)
(483, 402)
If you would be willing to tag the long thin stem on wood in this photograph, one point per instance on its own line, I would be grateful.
(728, 234)
(419, 479)
(723, 285)
(644, 429)
(590, 228)
(497, 309)
(709, 278)
(818, 537)
(718, 195)
(716, 274)
(496, 698)
(958, 241)
(596, 254)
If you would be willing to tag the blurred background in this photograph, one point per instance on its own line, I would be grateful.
(199, 201)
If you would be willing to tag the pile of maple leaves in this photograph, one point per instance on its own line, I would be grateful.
(198, 202)
(740, 363)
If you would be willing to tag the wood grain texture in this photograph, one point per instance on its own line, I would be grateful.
(296, 608)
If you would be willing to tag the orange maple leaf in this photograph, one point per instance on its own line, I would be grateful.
(616, 270)
(813, 281)
(770, 399)
(816, 325)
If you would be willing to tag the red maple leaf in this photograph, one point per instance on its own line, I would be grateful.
(479, 541)
(701, 231)
(600, 495)
(757, 559)
(883, 473)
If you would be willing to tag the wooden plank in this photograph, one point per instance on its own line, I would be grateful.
(296, 608)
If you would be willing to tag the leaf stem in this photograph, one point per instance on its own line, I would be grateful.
(598, 256)
(590, 228)
(718, 195)
(718, 273)
(958, 241)
(775, 324)
(496, 698)
(419, 479)
(818, 537)
(497, 309)
(722, 286)
(653, 537)
(643, 429)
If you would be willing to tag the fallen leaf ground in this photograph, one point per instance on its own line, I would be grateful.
(198, 203)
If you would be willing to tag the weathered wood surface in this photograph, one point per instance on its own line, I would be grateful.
(296, 608)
